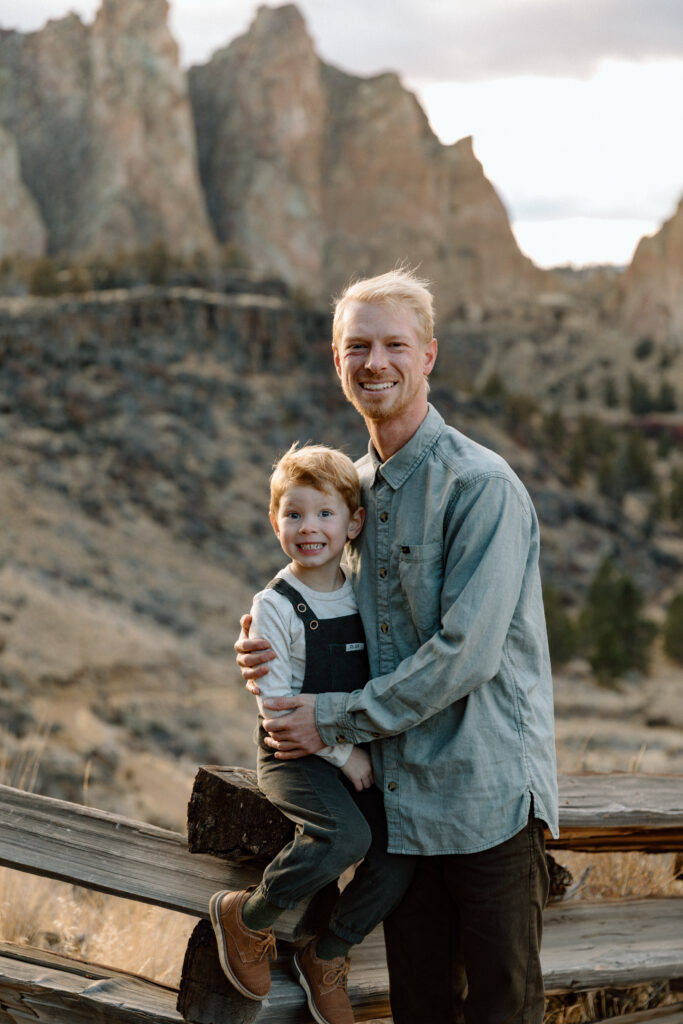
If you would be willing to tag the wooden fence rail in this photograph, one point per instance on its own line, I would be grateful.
(585, 946)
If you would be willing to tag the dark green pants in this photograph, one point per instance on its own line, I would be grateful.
(464, 945)
(335, 827)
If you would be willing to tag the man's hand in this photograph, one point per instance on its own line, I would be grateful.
(252, 656)
(293, 735)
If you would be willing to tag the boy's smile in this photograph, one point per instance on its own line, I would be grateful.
(313, 527)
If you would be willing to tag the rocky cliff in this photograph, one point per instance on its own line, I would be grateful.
(21, 227)
(104, 130)
(320, 176)
(652, 288)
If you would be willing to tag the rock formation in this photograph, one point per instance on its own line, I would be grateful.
(310, 174)
(318, 176)
(104, 130)
(652, 286)
(259, 114)
(22, 231)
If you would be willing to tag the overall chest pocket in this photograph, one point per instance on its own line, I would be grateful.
(420, 573)
(349, 667)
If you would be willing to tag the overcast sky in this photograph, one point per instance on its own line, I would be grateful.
(573, 104)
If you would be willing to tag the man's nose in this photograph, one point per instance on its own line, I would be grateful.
(376, 358)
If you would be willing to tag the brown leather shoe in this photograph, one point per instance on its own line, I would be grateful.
(243, 953)
(324, 982)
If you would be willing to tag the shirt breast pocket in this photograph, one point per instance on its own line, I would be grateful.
(420, 571)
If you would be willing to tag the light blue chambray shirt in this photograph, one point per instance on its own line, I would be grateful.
(446, 576)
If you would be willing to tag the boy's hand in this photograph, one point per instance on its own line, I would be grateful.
(293, 735)
(358, 769)
(252, 656)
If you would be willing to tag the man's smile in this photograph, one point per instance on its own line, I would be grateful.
(378, 385)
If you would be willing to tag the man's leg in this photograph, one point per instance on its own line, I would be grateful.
(426, 977)
(500, 895)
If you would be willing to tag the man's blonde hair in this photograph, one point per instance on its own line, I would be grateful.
(315, 465)
(399, 287)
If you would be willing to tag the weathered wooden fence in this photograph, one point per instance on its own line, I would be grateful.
(586, 946)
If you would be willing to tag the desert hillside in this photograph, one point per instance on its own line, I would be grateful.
(137, 431)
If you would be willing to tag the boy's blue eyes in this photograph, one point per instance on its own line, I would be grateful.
(297, 515)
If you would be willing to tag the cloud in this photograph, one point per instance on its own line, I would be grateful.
(471, 41)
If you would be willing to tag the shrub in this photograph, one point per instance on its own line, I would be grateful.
(614, 634)
(673, 629)
(676, 496)
(643, 348)
(554, 430)
(610, 394)
(562, 632)
(639, 398)
(44, 279)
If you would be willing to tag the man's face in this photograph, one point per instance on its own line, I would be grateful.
(381, 360)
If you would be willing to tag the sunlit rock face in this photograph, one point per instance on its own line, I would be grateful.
(260, 118)
(104, 130)
(319, 176)
(22, 231)
(652, 286)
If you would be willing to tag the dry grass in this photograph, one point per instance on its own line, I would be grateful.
(608, 876)
(615, 876)
(105, 930)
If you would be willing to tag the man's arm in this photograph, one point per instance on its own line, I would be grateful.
(487, 547)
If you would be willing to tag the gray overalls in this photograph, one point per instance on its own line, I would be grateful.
(336, 826)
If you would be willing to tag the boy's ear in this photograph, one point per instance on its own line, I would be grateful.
(356, 523)
(274, 523)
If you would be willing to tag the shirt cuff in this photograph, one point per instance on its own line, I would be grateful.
(331, 719)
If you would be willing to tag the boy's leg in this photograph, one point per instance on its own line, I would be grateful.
(380, 882)
(331, 832)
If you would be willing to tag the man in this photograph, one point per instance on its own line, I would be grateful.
(460, 696)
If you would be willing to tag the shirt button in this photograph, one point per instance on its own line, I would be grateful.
(383, 573)
(383, 517)
(391, 787)
(376, 735)
(340, 739)
(384, 627)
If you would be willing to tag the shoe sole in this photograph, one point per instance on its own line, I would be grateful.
(301, 978)
(214, 911)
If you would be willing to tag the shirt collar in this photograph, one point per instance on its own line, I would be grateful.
(402, 463)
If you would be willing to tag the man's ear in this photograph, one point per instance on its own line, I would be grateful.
(274, 523)
(430, 352)
(356, 523)
(337, 360)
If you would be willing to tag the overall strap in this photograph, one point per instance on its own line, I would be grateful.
(296, 600)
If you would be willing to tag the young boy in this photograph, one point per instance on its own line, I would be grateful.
(309, 615)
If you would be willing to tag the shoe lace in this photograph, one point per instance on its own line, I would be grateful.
(338, 974)
(266, 947)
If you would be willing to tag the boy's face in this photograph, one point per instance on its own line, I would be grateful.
(313, 526)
